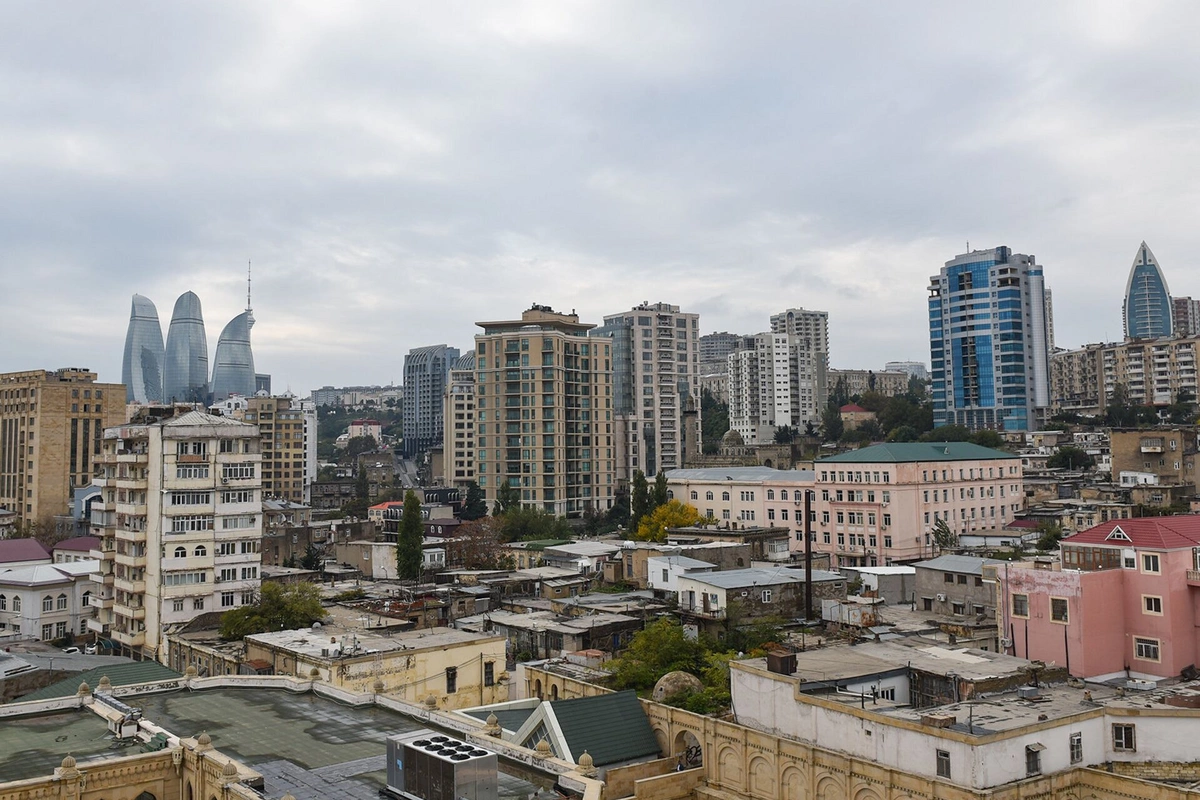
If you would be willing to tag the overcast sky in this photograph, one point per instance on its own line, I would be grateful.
(397, 171)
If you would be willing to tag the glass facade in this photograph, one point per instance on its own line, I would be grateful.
(142, 363)
(1147, 311)
(185, 367)
(233, 365)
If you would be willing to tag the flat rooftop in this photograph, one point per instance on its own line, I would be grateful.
(33, 746)
(310, 642)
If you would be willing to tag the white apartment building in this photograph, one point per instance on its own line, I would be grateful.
(458, 438)
(180, 521)
(46, 601)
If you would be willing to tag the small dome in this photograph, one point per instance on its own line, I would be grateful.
(314, 674)
(190, 672)
(492, 720)
(732, 439)
(585, 760)
(543, 748)
(379, 686)
(105, 684)
(230, 770)
(204, 740)
(431, 701)
(288, 796)
(84, 689)
(68, 762)
(673, 683)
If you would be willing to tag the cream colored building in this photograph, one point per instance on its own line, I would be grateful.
(1152, 371)
(749, 496)
(861, 381)
(456, 668)
(879, 505)
(50, 427)
(180, 521)
(284, 430)
(544, 412)
(458, 436)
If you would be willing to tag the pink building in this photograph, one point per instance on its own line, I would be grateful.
(367, 427)
(878, 505)
(1122, 602)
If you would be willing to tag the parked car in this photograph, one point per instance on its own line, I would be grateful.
(71, 650)
(90, 650)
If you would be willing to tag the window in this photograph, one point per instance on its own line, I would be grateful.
(177, 605)
(1152, 604)
(3, 603)
(249, 573)
(1124, 737)
(1150, 563)
(181, 552)
(451, 680)
(60, 603)
(201, 550)
(237, 471)
(188, 524)
(770, 494)
(766, 595)
(665, 574)
(1145, 649)
(237, 496)
(191, 498)
(1020, 605)
(191, 471)
(958, 608)
(226, 599)
(17, 607)
(725, 496)
(86, 599)
(198, 604)
(695, 495)
(489, 673)
(947, 577)
(1033, 758)
(962, 579)
(47, 604)
(927, 603)
(1058, 609)
(1076, 742)
(47, 632)
(943, 763)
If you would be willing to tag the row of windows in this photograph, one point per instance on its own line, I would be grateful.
(205, 498)
(49, 602)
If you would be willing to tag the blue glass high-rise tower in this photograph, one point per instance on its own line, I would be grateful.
(1147, 309)
(988, 339)
(233, 364)
(185, 368)
(142, 364)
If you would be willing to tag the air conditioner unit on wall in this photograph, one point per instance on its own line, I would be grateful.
(941, 598)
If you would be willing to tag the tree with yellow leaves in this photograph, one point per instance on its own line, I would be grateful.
(672, 514)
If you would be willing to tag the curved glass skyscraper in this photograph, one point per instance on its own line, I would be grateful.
(1147, 310)
(233, 365)
(142, 364)
(185, 367)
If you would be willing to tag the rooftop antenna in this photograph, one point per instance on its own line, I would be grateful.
(247, 284)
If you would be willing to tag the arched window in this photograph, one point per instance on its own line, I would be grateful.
(708, 495)
(770, 494)
(783, 494)
(60, 603)
(725, 496)
(181, 552)
(16, 603)
(3, 603)
(47, 603)
(201, 550)
(695, 495)
(87, 599)
(670, 494)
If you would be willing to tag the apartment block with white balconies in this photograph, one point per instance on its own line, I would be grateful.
(180, 522)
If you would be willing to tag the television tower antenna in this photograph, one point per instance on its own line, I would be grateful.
(247, 284)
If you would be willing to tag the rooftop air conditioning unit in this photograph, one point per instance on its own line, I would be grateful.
(941, 598)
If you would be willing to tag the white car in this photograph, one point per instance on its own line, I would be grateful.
(71, 650)
(90, 650)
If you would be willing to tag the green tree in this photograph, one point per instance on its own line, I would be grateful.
(947, 433)
(474, 505)
(1119, 412)
(618, 515)
(661, 648)
(1051, 534)
(639, 501)
(661, 492)
(312, 558)
(279, 607)
(1070, 458)
(1183, 410)
(714, 421)
(943, 537)
(831, 423)
(360, 445)
(408, 545)
(903, 433)
(671, 514)
(785, 434)
(525, 523)
(507, 498)
(362, 487)
(986, 438)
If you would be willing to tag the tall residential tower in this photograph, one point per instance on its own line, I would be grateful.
(422, 414)
(1147, 309)
(185, 367)
(142, 363)
(988, 341)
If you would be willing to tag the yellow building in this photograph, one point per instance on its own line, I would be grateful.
(281, 422)
(50, 429)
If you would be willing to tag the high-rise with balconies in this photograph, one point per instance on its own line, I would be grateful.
(544, 412)
(180, 523)
(989, 341)
(425, 373)
(458, 437)
(1147, 311)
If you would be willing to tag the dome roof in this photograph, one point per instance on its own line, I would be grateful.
(732, 439)
(674, 683)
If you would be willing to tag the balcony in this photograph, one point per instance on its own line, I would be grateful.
(128, 560)
(1152, 445)
(98, 626)
(1193, 577)
(701, 611)
(101, 578)
(130, 639)
(101, 601)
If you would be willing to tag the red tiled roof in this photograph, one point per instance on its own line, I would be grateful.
(80, 543)
(851, 408)
(22, 550)
(386, 504)
(1164, 533)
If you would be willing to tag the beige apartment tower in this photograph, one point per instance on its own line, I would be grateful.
(51, 424)
(282, 424)
(458, 434)
(180, 523)
(544, 416)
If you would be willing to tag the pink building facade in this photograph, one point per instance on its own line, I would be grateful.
(878, 505)
(1123, 602)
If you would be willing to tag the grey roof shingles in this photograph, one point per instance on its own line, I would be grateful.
(905, 452)
(611, 727)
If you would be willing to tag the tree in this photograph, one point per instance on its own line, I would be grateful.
(943, 537)
(1183, 410)
(660, 648)
(1070, 458)
(986, 438)
(831, 423)
(474, 505)
(671, 514)
(661, 493)
(408, 545)
(1120, 412)
(507, 498)
(362, 486)
(618, 515)
(1051, 533)
(639, 502)
(279, 607)
(785, 434)
(947, 433)
(523, 524)
(714, 420)
(476, 545)
(312, 559)
(903, 433)
(360, 444)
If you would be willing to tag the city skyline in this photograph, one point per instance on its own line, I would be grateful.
(586, 158)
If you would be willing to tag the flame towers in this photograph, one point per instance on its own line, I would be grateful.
(142, 364)
(233, 365)
(185, 368)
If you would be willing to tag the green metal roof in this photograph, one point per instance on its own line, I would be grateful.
(611, 727)
(124, 674)
(542, 544)
(510, 719)
(917, 451)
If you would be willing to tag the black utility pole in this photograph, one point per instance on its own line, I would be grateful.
(808, 609)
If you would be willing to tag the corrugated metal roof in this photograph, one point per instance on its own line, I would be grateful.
(611, 727)
(741, 578)
(749, 474)
(128, 674)
(904, 452)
